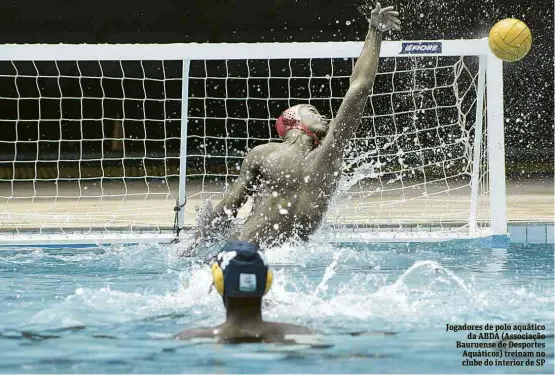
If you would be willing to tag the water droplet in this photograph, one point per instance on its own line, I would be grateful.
(347, 22)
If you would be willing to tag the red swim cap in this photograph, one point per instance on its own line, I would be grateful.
(291, 119)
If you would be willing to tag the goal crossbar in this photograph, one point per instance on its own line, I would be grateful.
(231, 51)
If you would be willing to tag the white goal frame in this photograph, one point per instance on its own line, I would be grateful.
(490, 75)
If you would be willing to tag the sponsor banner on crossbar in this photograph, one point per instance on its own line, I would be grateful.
(421, 47)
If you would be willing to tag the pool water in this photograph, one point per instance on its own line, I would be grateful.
(115, 309)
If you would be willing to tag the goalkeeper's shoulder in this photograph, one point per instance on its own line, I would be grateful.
(264, 148)
(257, 153)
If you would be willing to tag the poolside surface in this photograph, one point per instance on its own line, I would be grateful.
(527, 201)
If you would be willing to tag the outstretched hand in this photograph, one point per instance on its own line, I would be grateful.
(383, 19)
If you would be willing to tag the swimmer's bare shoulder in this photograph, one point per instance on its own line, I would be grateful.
(260, 151)
(250, 170)
(208, 333)
(263, 148)
(267, 330)
(288, 329)
(239, 190)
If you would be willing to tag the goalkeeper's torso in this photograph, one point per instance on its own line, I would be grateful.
(291, 194)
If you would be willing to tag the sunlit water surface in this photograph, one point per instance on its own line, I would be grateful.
(115, 309)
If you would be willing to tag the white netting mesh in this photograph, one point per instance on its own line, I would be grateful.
(95, 145)
(90, 145)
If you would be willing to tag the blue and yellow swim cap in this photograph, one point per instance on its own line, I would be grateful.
(241, 270)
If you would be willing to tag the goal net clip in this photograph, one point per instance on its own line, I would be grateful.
(176, 228)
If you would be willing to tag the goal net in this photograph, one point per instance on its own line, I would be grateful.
(125, 145)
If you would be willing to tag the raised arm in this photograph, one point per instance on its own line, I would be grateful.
(345, 124)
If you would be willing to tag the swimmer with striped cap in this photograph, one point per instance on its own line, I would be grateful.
(242, 276)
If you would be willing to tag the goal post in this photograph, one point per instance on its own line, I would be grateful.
(121, 143)
(496, 146)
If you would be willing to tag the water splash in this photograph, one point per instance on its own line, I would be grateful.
(363, 171)
(433, 265)
(315, 284)
(328, 274)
